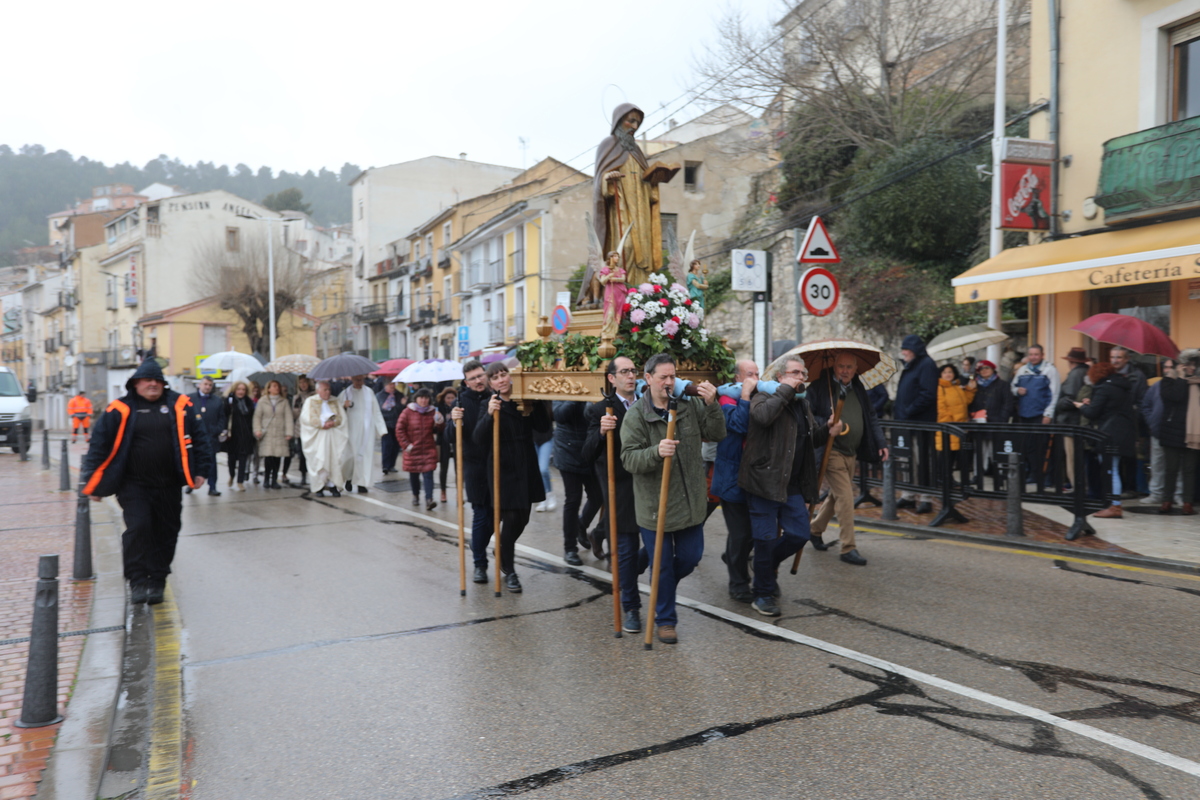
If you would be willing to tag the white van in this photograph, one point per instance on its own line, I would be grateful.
(14, 410)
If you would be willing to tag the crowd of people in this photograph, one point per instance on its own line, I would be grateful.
(750, 447)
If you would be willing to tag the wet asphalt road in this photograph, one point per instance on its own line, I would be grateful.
(328, 654)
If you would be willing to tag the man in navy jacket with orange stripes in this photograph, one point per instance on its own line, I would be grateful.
(145, 448)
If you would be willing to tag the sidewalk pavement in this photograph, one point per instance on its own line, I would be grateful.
(36, 519)
(1173, 539)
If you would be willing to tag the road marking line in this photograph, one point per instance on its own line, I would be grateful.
(1087, 731)
(165, 774)
(1036, 554)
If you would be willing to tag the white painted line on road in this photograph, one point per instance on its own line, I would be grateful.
(1088, 731)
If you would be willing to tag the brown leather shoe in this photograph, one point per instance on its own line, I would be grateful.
(1188, 511)
(1112, 512)
(666, 634)
(1165, 508)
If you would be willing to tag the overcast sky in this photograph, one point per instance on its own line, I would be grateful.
(300, 86)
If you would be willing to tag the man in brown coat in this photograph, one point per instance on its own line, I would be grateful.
(779, 476)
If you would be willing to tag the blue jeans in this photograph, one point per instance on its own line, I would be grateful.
(481, 531)
(544, 451)
(682, 551)
(767, 517)
(416, 477)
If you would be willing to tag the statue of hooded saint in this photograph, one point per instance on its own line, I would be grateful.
(620, 197)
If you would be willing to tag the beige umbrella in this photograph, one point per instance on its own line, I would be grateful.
(874, 365)
(957, 342)
(296, 364)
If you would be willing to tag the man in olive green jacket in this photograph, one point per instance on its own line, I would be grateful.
(644, 446)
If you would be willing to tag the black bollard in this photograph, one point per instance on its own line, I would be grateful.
(1016, 520)
(45, 448)
(64, 469)
(889, 491)
(83, 540)
(40, 705)
(22, 443)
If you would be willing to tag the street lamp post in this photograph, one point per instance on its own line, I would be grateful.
(271, 272)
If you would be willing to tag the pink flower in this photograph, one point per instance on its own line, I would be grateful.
(634, 329)
(646, 288)
(675, 287)
(637, 317)
(693, 321)
(671, 327)
(665, 301)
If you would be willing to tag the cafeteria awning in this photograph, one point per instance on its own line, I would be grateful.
(1167, 251)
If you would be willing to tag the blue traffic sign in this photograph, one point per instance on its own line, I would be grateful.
(560, 319)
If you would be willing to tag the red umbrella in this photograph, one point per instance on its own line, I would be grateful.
(393, 366)
(1128, 332)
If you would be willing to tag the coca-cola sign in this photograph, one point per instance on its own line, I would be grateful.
(1025, 196)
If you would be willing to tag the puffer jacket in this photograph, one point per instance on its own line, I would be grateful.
(771, 445)
(641, 431)
(419, 427)
(953, 402)
(274, 422)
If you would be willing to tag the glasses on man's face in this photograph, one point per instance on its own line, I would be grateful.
(796, 373)
(630, 371)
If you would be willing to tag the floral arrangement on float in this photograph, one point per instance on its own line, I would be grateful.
(659, 316)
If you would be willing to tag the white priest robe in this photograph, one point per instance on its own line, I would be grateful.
(324, 448)
(364, 426)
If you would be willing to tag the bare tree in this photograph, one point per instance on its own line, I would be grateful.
(863, 73)
(233, 270)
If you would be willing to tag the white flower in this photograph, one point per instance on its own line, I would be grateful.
(703, 335)
(658, 328)
(658, 278)
(686, 343)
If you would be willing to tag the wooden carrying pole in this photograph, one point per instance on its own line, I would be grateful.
(462, 537)
(837, 417)
(612, 527)
(496, 492)
(658, 533)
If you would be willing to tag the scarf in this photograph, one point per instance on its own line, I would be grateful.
(421, 409)
(1192, 436)
(1036, 369)
(985, 382)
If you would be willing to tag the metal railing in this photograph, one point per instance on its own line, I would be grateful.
(495, 332)
(923, 464)
(373, 312)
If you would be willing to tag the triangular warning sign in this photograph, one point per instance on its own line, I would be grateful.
(818, 247)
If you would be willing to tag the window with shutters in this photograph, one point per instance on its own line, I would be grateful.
(1185, 70)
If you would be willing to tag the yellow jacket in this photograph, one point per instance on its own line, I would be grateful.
(953, 399)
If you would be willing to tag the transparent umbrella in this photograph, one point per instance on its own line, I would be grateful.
(957, 342)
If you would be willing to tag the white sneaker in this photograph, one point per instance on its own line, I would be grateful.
(540, 506)
(551, 504)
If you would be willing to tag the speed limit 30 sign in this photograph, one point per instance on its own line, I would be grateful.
(819, 291)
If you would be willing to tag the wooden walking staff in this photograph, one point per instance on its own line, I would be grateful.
(837, 417)
(496, 492)
(462, 537)
(614, 562)
(658, 533)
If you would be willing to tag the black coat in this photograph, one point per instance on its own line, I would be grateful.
(996, 399)
(595, 452)
(570, 429)
(241, 426)
(390, 417)
(473, 457)
(822, 408)
(1111, 410)
(1173, 428)
(520, 478)
(209, 414)
(916, 396)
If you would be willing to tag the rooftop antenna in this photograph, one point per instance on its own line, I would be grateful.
(524, 149)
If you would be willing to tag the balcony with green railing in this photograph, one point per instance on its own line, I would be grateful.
(1152, 172)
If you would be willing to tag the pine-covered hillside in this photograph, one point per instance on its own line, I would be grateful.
(35, 183)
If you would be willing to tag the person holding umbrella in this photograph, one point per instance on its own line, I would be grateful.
(644, 447)
(364, 426)
(520, 482)
(863, 439)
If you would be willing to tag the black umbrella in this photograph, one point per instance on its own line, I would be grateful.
(343, 365)
(286, 379)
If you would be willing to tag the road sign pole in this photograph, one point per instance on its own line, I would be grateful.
(796, 242)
